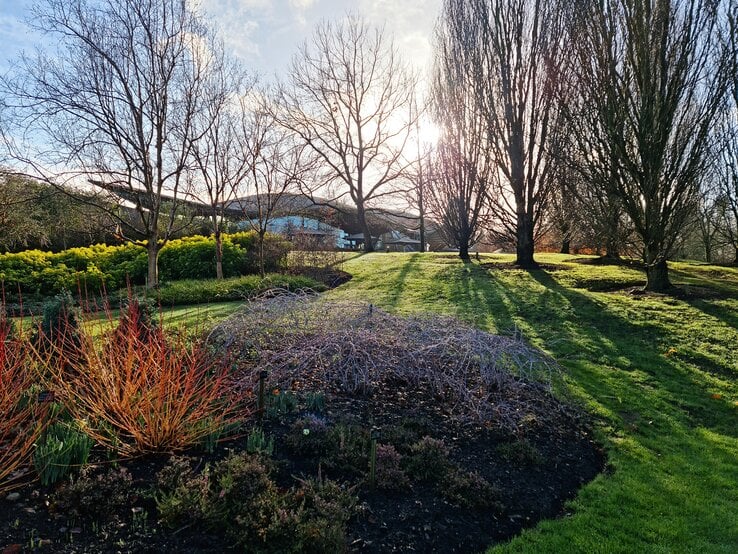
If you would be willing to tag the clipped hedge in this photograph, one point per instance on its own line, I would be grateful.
(35, 272)
(235, 288)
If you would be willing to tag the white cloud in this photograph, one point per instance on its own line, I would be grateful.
(299, 7)
(266, 33)
(238, 23)
(302, 5)
(411, 22)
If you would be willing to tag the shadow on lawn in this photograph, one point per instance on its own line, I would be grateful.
(628, 341)
(574, 327)
(724, 314)
(398, 285)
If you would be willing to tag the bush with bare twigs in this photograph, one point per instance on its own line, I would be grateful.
(140, 389)
(355, 347)
(22, 416)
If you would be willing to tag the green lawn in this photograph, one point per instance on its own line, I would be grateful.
(193, 317)
(658, 374)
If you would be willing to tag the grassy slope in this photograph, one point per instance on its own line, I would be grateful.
(658, 374)
(194, 318)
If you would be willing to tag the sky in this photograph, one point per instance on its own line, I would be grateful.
(266, 33)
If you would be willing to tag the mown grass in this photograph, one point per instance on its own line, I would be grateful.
(195, 304)
(659, 374)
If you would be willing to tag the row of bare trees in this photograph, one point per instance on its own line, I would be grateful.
(547, 110)
(610, 106)
(141, 97)
(498, 68)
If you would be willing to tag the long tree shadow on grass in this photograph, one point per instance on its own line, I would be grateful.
(637, 343)
(636, 378)
(398, 285)
(712, 308)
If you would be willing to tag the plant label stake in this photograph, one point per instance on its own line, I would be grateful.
(262, 385)
(373, 457)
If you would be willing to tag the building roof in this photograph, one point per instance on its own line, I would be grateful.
(404, 241)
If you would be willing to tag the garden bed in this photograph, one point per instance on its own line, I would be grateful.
(470, 446)
(530, 477)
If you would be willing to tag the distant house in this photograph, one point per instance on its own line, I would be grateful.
(394, 241)
(356, 241)
(295, 226)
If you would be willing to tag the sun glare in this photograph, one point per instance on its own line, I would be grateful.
(428, 133)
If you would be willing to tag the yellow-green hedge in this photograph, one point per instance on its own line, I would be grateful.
(94, 267)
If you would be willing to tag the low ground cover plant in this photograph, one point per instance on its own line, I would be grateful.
(61, 448)
(356, 346)
(238, 496)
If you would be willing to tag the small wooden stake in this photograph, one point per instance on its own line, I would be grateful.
(373, 458)
(262, 386)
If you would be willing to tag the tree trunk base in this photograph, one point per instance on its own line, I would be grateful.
(657, 278)
(526, 262)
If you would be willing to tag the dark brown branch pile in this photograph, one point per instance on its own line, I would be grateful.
(353, 347)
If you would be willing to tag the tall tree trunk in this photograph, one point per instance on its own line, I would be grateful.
(464, 250)
(152, 252)
(262, 271)
(612, 252)
(218, 254)
(612, 238)
(524, 242)
(657, 272)
(422, 224)
(361, 215)
(566, 238)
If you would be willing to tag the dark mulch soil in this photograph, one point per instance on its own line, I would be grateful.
(328, 276)
(414, 520)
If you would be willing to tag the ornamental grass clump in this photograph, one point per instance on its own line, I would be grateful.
(141, 389)
(62, 448)
(22, 414)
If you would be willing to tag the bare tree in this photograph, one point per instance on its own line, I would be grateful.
(349, 98)
(278, 168)
(728, 183)
(653, 76)
(463, 173)
(419, 155)
(727, 166)
(707, 221)
(221, 153)
(563, 211)
(511, 51)
(420, 175)
(115, 107)
(597, 210)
